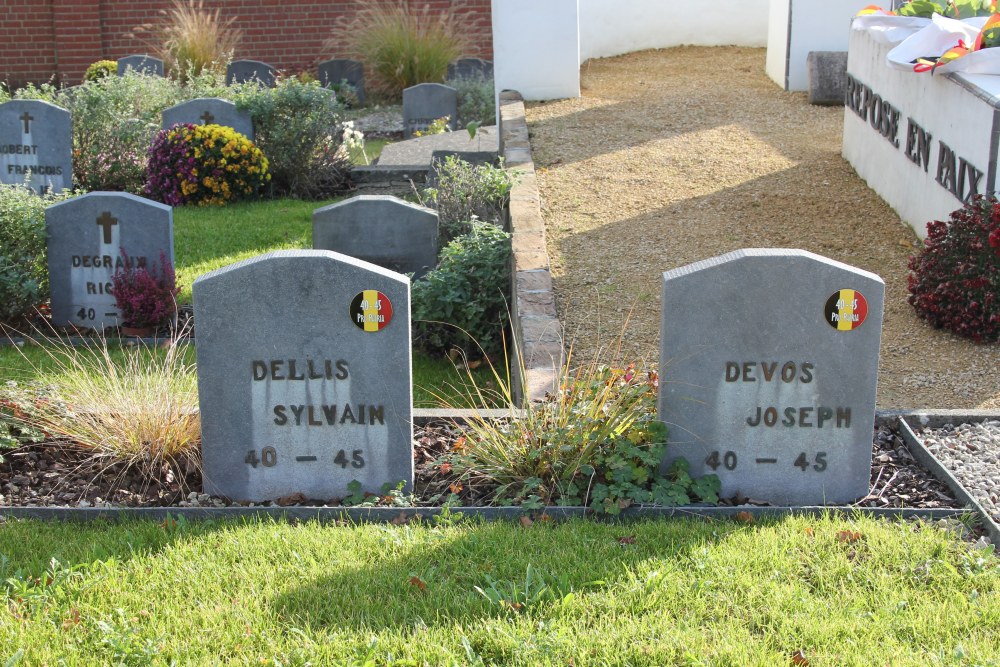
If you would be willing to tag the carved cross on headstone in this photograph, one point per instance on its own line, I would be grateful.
(106, 221)
(207, 117)
(26, 119)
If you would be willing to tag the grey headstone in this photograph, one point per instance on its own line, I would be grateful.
(426, 102)
(827, 73)
(380, 229)
(244, 71)
(141, 65)
(86, 236)
(205, 110)
(468, 68)
(37, 137)
(297, 397)
(757, 382)
(344, 69)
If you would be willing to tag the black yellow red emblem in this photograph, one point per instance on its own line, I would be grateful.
(846, 309)
(371, 310)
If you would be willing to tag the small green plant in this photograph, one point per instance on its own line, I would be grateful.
(954, 281)
(192, 39)
(138, 406)
(537, 588)
(400, 44)
(460, 304)
(24, 275)
(204, 165)
(295, 124)
(476, 101)
(123, 641)
(100, 69)
(437, 126)
(595, 442)
(464, 192)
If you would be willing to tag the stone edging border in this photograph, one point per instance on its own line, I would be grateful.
(538, 335)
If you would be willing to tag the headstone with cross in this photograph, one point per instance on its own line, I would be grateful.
(86, 237)
(205, 110)
(304, 377)
(36, 145)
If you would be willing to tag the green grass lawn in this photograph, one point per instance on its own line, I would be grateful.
(677, 592)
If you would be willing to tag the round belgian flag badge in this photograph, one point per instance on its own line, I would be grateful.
(371, 310)
(846, 310)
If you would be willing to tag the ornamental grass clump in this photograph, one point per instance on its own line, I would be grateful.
(954, 281)
(134, 405)
(192, 39)
(204, 165)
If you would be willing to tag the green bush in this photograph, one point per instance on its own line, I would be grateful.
(100, 69)
(476, 103)
(23, 270)
(465, 191)
(400, 46)
(460, 304)
(295, 124)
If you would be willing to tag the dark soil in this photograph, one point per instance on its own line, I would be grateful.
(49, 474)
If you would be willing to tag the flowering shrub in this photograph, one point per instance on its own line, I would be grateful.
(204, 165)
(954, 282)
(146, 296)
(101, 69)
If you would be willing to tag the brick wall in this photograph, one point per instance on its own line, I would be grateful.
(43, 38)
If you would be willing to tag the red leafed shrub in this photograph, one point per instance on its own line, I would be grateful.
(147, 296)
(954, 282)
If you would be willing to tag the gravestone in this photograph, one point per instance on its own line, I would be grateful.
(470, 68)
(344, 69)
(36, 137)
(426, 102)
(141, 65)
(768, 366)
(304, 376)
(827, 75)
(85, 238)
(380, 229)
(209, 110)
(244, 71)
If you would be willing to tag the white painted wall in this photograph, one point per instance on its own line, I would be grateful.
(536, 48)
(796, 27)
(612, 27)
(956, 114)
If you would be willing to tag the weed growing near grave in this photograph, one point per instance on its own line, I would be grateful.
(146, 296)
(954, 281)
(461, 304)
(595, 442)
(464, 192)
(295, 124)
(137, 406)
(192, 39)
(476, 103)
(100, 69)
(204, 165)
(24, 275)
(400, 44)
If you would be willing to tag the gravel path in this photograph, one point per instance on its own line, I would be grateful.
(677, 155)
(972, 453)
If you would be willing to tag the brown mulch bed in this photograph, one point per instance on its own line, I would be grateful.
(48, 475)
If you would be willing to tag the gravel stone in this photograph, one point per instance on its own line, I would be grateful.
(972, 453)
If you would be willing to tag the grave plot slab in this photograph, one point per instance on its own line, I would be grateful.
(36, 145)
(304, 376)
(768, 368)
(380, 229)
(209, 110)
(86, 236)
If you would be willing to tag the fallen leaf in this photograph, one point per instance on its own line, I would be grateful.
(744, 517)
(809, 531)
(455, 487)
(459, 445)
(168, 524)
(848, 536)
(628, 539)
(418, 582)
(526, 521)
(445, 468)
(473, 365)
(293, 499)
(400, 519)
(72, 620)
(799, 658)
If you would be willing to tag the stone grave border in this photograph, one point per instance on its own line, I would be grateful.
(352, 515)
